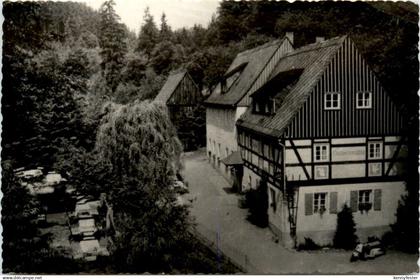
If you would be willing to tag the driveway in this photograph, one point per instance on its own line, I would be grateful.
(221, 221)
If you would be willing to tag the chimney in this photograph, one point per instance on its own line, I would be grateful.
(290, 36)
(319, 39)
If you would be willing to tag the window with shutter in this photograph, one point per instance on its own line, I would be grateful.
(377, 200)
(308, 203)
(353, 201)
(333, 202)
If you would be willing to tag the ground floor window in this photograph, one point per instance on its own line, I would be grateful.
(319, 202)
(273, 199)
(365, 200)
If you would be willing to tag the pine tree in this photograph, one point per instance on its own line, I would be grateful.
(165, 30)
(345, 236)
(149, 34)
(113, 45)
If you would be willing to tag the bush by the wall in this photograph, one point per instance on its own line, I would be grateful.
(308, 245)
(257, 201)
(345, 236)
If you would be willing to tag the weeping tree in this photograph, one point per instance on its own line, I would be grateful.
(140, 144)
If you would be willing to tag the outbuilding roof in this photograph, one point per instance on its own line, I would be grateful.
(251, 62)
(233, 159)
(170, 85)
(313, 59)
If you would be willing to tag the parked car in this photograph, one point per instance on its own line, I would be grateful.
(87, 227)
(180, 187)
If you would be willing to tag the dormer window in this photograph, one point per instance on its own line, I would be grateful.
(364, 100)
(257, 107)
(231, 77)
(264, 107)
(332, 101)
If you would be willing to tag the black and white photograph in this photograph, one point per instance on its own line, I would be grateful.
(210, 137)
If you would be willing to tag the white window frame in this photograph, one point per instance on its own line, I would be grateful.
(329, 101)
(377, 147)
(320, 200)
(365, 97)
(257, 107)
(364, 197)
(324, 154)
(324, 169)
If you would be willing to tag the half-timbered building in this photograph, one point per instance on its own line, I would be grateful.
(182, 97)
(230, 99)
(322, 132)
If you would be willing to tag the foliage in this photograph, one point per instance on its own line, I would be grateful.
(148, 35)
(166, 56)
(165, 33)
(112, 35)
(345, 236)
(40, 94)
(257, 202)
(309, 245)
(134, 69)
(191, 127)
(405, 229)
(139, 144)
(24, 249)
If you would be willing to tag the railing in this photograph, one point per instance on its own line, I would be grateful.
(211, 239)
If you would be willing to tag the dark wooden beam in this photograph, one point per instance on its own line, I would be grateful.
(300, 159)
(394, 156)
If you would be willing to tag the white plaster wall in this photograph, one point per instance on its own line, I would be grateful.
(392, 138)
(239, 112)
(395, 168)
(348, 140)
(249, 180)
(348, 153)
(220, 124)
(305, 155)
(221, 128)
(390, 150)
(279, 218)
(326, 223)
(300, 142)
(348, 170)
(296, 173)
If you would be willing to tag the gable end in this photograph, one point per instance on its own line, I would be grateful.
(348, 74)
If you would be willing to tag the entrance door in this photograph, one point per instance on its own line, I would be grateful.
(238, 171)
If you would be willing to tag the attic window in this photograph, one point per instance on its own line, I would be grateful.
(364, 100)
(231, 77)
(264, 107)
(332, 101)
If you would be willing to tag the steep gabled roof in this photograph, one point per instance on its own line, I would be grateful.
(313, 59)
(170, 86)
(253, 62)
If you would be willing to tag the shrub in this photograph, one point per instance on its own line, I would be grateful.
(308, 245)
(345, 236)
(257, 201)
(405, 229)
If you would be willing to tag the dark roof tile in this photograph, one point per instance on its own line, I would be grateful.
(256, 60)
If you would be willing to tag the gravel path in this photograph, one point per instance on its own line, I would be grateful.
(221, 221)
